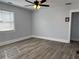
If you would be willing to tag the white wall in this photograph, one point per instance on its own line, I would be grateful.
(23, 26)
(75, 6)
(47, 22)
(50, 22)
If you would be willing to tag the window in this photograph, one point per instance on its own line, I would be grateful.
(6, 20)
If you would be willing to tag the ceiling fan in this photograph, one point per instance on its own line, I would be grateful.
(37, 4)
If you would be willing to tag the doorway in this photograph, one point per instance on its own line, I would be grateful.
(74, 26)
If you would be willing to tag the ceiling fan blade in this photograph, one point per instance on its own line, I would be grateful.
(45, 5)
(29, 1)
(43, 1)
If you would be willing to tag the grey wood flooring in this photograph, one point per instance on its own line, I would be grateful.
(39, 49)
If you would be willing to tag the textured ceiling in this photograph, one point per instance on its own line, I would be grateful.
(22, 3)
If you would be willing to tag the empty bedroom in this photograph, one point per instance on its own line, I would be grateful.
(39, 29)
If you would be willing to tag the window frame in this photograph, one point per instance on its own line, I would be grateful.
(13, 22)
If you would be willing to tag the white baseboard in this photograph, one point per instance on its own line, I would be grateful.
(52, 39)
(27, 37)
(14, 40)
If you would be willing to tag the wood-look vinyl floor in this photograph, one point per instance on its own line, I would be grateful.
(39, 49)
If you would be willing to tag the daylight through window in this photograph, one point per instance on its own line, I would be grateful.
(6, 20)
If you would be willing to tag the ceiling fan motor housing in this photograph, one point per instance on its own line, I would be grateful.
(36, 3)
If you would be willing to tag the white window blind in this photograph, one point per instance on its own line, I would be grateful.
(6, 20)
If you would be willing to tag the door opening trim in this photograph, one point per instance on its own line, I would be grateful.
(71, 11)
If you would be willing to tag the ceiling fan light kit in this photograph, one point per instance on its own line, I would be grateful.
(37, 4)
(37, 7)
